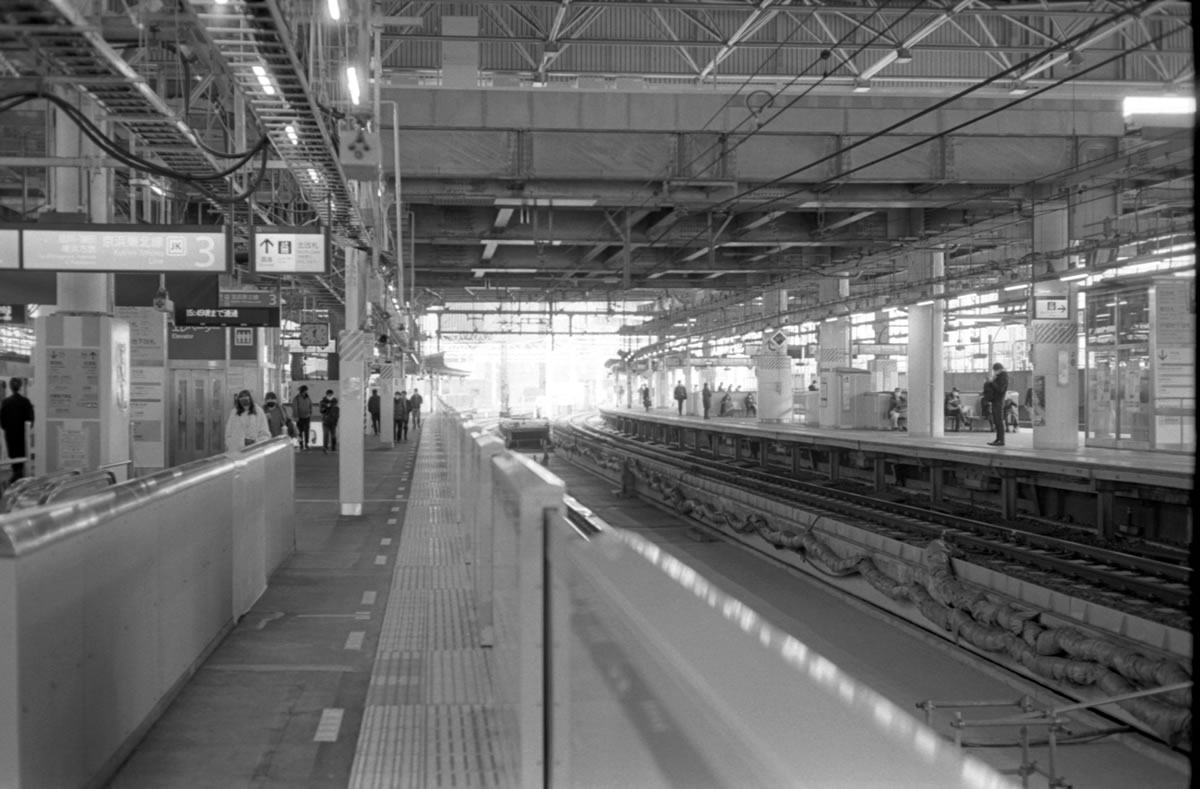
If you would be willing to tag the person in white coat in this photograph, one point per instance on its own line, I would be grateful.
(247, 424)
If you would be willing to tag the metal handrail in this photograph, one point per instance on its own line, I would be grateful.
(56, 490)
(26, 491)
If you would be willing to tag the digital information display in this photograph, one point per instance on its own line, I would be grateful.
(247, 298)
(227, 316)
(10, 248)
(150, 250)
(289, 250)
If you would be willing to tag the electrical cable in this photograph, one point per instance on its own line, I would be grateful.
(770, 56)
(936, 106)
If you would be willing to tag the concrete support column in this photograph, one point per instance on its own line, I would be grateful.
(353, 347)
(82, 292)
(1054, 347)
(833, 345)
(926, 333)
(773, 374)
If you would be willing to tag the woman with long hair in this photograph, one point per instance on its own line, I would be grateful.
(246, 424)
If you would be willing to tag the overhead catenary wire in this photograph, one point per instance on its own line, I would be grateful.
(691, 179)
(1006, 73)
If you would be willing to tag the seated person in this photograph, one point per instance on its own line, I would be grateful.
(751, 405)
(1010, 415)
(954, 408)
(726, 405)
(898, 410)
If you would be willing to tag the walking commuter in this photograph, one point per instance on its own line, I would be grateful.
(999, 393)
(373, 410)
(680, 396)
(400, 417)
(302, 408)
(15, 411)
(277, 418)
(414, 408)
(246, 425)
(706, 399)
(330, 414)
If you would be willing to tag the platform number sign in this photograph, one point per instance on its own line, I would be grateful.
(776, 340)
(243, 336)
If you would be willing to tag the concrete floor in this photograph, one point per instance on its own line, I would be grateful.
(261, 711)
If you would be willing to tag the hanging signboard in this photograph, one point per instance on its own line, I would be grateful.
(1051, 309)
(289, 250)
(248, 298)
(227, 316)
(10, 248)
(148, 249)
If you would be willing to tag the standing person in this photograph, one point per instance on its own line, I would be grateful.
(646, 397)
(414, 408)
(247, 424)
(330, 413)
(15, 411)
(400, 417)
(751, 405)
(812, 385)
(277, 418)
(373, 410)
(706, 399)
(302, 406)
(680, 396)
(999, 393)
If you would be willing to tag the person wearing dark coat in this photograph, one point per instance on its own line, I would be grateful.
(373, 410)
(15, 411)
(400, 416)
(706, 399)
(999, 393)
(680, 396)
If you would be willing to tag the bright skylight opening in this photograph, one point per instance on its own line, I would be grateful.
(1160, 105)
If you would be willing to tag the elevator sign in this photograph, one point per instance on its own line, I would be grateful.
(289, 250)
(127, 248)
(10, 249)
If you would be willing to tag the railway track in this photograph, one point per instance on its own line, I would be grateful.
(1096, 572)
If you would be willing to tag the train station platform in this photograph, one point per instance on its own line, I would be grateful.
(361, 664)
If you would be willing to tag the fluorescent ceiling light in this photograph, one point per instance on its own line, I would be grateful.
(291, 133)
(313, 174)
(860, 86)
(352, 81)
(1016, 287)
(335, 10)
(1072, 277)
(925, 303)
(1018, 89)
(158, 190)
(1159, 105)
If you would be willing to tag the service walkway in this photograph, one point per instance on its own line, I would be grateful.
(358, 636)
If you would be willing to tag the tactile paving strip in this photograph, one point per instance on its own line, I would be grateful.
(428, 719)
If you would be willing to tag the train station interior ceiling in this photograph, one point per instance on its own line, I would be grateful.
(692, 155)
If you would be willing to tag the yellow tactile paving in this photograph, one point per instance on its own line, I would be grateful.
(427, 721)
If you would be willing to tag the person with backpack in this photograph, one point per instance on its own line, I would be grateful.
(302, 408)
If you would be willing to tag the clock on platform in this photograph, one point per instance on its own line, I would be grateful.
(314, 334)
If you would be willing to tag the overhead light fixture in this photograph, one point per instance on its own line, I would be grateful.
(1018, 89)
(158, 190)
(926, 303)
(1016, 287)
(861, 86)
(335, 10)
(1075, 58)
(264, 80)
(903, 55)
(313, 174)
(291, 133)
(1073, 277)
(352, 82)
